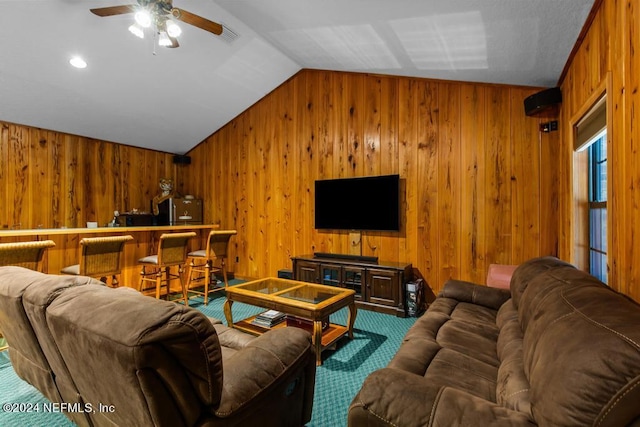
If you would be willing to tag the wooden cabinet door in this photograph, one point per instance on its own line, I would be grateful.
(307, 271)
(382, 287)
(353, 278)
(330, 275)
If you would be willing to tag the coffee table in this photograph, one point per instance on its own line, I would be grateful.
(300, 299)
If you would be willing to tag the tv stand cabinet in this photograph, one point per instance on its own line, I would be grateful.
(379, 286)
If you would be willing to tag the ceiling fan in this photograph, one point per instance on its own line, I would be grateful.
(158, 13)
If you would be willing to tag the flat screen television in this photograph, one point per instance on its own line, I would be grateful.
(364, 204)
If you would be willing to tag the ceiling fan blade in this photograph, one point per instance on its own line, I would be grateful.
(197, 21)
(114, 10)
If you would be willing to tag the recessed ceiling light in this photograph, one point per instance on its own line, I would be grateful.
(78, 62)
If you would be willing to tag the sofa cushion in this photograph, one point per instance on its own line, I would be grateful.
(475, 340)
(529, 270)
(231, 340)
(454, 341)
(451, 368)
(469, 292)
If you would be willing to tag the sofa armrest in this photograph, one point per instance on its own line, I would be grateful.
(392, 397)
(475, 294)
(266, 363)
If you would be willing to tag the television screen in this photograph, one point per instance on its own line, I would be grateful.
(367, 203)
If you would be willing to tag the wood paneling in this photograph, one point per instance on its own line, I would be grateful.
(468, 158)
(472, 165)
(51, 180)
(472, 184)
(608, 51)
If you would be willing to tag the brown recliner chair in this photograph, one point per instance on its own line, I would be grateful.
(153, 362)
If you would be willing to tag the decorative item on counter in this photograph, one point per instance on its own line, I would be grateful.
(114, 221)
(166, 187)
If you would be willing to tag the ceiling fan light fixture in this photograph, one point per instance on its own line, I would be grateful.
(78, 62)
(173, 30)
(137, 30)
(163, 40)
(143, 18)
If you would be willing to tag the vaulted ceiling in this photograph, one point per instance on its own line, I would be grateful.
(135, 93)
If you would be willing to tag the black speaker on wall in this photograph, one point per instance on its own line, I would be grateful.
(543, 102)
(181, 160)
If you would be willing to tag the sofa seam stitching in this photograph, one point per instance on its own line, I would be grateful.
(203, 350)
(590, 320)
(516, 392)
(616, 402)
(380, 417)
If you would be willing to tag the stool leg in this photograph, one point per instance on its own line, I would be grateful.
(184, 289)
(190, 273)
(158, 282)
(142, 274)
(207, 280)
(224, 272)
(167, 282)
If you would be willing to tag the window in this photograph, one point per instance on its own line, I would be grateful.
(590, 190)
(597, 152)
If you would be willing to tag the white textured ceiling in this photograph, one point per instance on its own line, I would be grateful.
(172, 99)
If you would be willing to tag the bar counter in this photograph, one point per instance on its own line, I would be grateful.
(39, 232)
(67, 249)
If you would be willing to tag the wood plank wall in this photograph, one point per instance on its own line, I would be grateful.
(479, 178)
(609, 50)
(50, 179)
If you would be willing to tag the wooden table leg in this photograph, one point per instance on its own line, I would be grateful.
(317, 340)
(351, 319)
(227, 312)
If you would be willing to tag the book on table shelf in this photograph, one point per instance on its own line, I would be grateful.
(269, 318)
(306, 324)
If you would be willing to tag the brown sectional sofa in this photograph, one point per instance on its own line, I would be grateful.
(559, 349)
(149, 362)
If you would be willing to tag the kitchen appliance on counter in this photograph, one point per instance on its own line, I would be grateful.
(127, 219)
(179, 211)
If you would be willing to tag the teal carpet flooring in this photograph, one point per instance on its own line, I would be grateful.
(376, 339)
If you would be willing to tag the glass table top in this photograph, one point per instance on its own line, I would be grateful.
(291, 289)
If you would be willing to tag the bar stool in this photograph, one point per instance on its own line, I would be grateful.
(22, 254)
(202, 262)
(100, 258)
(172, 251)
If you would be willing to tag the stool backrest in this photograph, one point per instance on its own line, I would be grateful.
(101, 255)
(173, 248)
(218, 243)
(24, 254)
